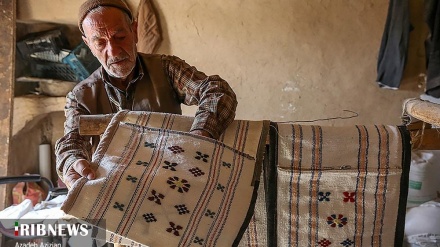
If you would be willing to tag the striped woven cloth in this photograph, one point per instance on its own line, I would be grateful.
(320, 186)
(340, 186)
(256, 232)
(159, 186)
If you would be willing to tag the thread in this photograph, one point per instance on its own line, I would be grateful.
(355, 114)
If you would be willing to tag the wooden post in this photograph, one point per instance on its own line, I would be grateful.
(7, 77)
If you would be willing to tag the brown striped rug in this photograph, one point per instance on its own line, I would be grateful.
(340, 186)
(160, 186)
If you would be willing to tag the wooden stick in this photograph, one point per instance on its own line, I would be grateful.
(90, 125)
(423, 110)
(423, 137)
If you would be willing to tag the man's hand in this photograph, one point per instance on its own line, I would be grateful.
(201, 133)
(81, 168)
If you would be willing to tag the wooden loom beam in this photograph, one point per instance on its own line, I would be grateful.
(423, 136)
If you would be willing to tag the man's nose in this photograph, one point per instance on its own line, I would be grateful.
(113, 49)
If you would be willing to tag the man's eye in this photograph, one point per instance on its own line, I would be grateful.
(100, 44)
(120, 37)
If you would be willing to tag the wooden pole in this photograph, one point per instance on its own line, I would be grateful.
(423, 137)
(7, 77)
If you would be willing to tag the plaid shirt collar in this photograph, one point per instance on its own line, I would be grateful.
(138, 74)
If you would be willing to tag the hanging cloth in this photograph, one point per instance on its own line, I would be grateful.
(432, 47)
(149, 36)
(394, 45)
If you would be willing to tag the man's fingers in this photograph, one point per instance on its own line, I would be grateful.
(71, 177)
(87, 172)
(82, 167)
(201, 133)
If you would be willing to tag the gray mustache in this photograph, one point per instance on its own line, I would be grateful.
(115, 60)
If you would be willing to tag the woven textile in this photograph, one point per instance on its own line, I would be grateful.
(256, 232)
(159, 186)
(340, 186)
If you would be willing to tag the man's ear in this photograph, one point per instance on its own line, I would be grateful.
(87, 43)
(85, 40)
(134, 26)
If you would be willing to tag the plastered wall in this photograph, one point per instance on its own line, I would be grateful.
(287, 60)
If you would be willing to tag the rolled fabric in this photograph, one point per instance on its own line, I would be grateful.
(44, 164)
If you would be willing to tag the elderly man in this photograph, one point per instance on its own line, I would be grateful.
(128, 80)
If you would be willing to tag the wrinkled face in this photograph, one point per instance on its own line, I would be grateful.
(112, 39)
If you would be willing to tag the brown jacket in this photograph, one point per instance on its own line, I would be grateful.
(153, 91)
